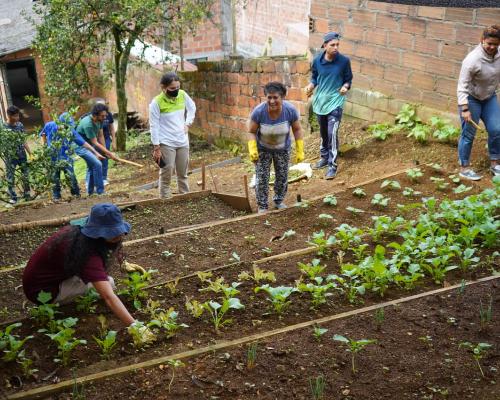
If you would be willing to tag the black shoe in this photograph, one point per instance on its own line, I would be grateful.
(331, 173)
(322, 163)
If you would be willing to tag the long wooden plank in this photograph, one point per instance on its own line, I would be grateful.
(115, 372)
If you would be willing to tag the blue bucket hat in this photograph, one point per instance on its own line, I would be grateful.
(105, 221)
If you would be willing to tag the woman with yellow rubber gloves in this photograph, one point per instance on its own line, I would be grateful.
(269, 142)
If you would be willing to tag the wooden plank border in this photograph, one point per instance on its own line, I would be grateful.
(58, 387)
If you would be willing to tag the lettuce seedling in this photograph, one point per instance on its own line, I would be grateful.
(194, 307)
(258, 275)
(359, 192)
(106, 343)
(461, 189)
(319, 292)
(321, 242)
(168, 322)
(65, 340)
(331, 200)
(355, 210)
(414, 174)
(135, 284)
(478, 351)
(347, 235)
(355, 346)
(380, 200)
(88, 302)
(390, 185)
(45, 311)
(440, 183)
(278, 296)
(409, 192)
(172, 286)
(204, 276)
(325, 219)
(217, 311)
(318, 331)
(312, 269)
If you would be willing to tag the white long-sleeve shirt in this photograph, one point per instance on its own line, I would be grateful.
(479, 75)
(168, 117)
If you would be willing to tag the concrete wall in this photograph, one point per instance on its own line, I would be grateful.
(401, 53)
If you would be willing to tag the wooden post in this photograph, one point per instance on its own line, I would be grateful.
(203, 177)
(245, 184)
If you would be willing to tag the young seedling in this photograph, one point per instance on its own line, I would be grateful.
(478, 352)
(355, 346)
(390, 185)
(168, 322)
(135, 284)
(267, 250)
(302, 205)
(354, 210)
(258, 275)
(317, 386)
(194, 307)
(312, 269)
(440, 183)
(174, 364)
(348, 235)
(381, 131)
(485, 313)
(65, 340)
(318, 331)
(454, 178)
(427, 340)
(359, 192)
(204, 276)
(420, 133)
(106, 343)
(318, 290)
(217, 311)
(45, 311)
(436, 167)
(289, 233)
(380, 200)
(379, 317)
(235, 257)
(88, 302)
(410, 192)
(251, 355)
(467, 259)
(461, 189)
(167, 254)
(278, 296)
(322, 243)
(330, 200)
(172, 286)
(414, 174)
(11, 345)
(325, 219)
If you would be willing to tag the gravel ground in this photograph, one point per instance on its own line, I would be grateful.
(448, 3)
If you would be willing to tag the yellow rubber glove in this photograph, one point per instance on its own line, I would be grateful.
(141, 334)
(299, 150)
(131, 267)
(252, 150)
(31, 157)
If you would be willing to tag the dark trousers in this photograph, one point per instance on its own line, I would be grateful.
(328, 128)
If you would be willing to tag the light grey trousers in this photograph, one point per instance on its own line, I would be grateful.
(176, 158)
(73, 287)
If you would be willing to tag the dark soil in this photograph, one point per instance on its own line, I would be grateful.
(146, 220)
(416, 356)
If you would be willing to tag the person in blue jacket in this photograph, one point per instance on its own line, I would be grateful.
(60, 158)
(331, 75)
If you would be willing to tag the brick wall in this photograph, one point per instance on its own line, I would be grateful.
(284, 21)
(401, 53)
(226, 91)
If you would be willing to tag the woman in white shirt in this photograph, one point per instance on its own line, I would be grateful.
(170, 115)
(478, 81)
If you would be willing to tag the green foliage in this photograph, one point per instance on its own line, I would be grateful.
(312, 269)
(217, 311)
(174, 364)
(11, 345)
(355, 346)
(106, 343)
(135, 287)
(251, 355)
(258, 275)
(322, 242)
(380, 200)
(325, 219)
(414, 174)
(440, 183)
(381, 131)
(354, 210)
(168, 322)
(330, 200)
(420, 133)
(318, 331)
(278, 296)
(194, 307)
(317, 387)
(65, 340)
(478, 352)
(318, 289)
(390, 185)
(359, 192)
(407, 117)
(485, 313)
(45, 312)
(88, 302)
(410, 192)
(443, 130)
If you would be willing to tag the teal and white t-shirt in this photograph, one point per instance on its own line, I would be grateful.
(274, 134)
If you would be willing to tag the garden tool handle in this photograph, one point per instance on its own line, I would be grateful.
(129, 162)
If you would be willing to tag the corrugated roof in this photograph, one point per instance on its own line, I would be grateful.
(16, 33)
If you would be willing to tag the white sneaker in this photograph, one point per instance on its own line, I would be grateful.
(262, 211)
(106, 182)
(470, 175)
(12, 201)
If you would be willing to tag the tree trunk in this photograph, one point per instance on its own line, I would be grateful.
(121, 95)
(181, 50)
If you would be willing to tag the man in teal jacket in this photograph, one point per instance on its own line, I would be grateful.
(332, 78)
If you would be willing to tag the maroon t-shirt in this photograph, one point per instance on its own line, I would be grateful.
(45, 268)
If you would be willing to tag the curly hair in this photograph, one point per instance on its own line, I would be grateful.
(491, 32)
(79, 248)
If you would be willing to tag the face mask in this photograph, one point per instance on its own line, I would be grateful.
(172, 93)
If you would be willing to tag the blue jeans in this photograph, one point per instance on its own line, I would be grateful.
(94, 171)
(489, 111)
(65, 166)
(10, 167)
(329, 128)
(105, 161)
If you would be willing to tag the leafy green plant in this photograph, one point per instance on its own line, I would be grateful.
(258, 275)
(381, 131)
(174, 364)
(88, 302)
(409, 192)
(168, 322)
(454, 179)
(478, 352)
(267, 250)
(235, 256)
(251, 355)
(436, 167)
(355, 346)
(443, 130)
(204, 276)
(379, 317)
(319, 291)
(318, 331)
(349, 283)
(322, 242)
(135, 288)
(440, 183)
(390, 185)
(407, 117)
(420, 133)
(355, 210)
(348, 235)
(302, 205)
(217, 311)
(11, 345)
(414, 174)
(330, 200)
(172, 286)
(167, 254)
(325, 219)
(312, 269)
(380, 200)
(45, 311)
(462, 189)
(317, 387)
(65, 340)
(194, 307)
(468, 260)
(359, 192)
(289, 233)
(106, 343)
(278, 296)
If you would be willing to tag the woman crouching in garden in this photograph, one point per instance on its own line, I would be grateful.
(269, 142)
